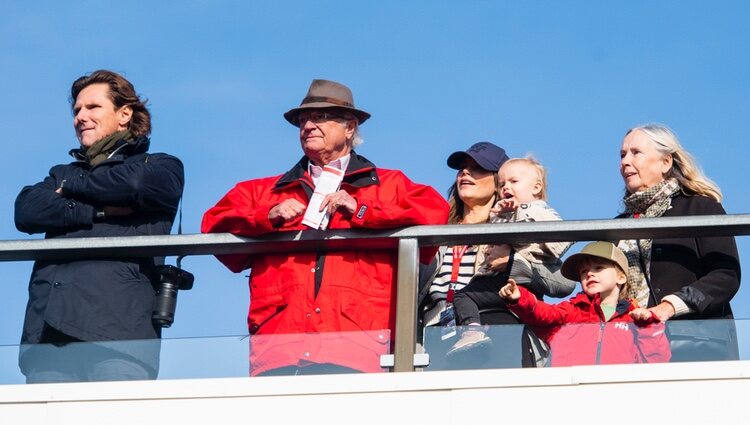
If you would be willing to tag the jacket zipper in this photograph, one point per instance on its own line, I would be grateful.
(599, 342)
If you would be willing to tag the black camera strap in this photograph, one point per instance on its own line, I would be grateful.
(178, 261)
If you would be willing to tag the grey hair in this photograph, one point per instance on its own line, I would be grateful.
(684, 168)
(356, 139)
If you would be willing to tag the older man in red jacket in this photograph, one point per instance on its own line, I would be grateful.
(323, 312)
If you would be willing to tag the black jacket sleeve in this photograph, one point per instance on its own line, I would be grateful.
(151, 183)
(704, 272)
(39, 209)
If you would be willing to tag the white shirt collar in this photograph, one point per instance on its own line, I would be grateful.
(340, 163)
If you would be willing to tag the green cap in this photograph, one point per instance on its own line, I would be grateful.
(605, 250)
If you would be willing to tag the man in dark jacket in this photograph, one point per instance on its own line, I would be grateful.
(113, 188)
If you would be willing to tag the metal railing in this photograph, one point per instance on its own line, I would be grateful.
(406, 240)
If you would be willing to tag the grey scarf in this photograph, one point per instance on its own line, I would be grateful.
(652, 202)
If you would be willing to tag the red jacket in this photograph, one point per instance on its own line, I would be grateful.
(578, 334)
(298, 299)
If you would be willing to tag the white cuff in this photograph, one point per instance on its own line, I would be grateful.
(679, 306)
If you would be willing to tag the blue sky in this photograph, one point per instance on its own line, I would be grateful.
(560, 80)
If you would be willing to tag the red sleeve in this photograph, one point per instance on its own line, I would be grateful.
(399, 202)
(534, 312)
(240, 212)
(243, 213)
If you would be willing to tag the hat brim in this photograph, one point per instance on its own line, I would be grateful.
(292, 114)
(456, 160)
(571, 265)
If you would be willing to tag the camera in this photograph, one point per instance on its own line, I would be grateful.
(171, 279)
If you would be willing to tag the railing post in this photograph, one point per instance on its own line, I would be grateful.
(406, 301)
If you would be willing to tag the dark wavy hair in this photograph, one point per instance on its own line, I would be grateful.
(121, 93)
(456, 204)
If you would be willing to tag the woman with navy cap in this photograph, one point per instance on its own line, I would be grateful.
(471, 197)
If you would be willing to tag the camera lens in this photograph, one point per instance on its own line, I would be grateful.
(165, 303)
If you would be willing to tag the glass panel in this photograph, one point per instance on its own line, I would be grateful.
(508, 346)
(704, 340)
(500, 348)
(324, 353)
(9, 372)
(213, 357)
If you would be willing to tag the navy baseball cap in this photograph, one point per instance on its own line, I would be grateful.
(489, 156)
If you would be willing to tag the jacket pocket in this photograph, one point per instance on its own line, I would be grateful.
(365, 313)
(370, 320)
(263, 310)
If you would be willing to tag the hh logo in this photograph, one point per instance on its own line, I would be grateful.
(622, 325)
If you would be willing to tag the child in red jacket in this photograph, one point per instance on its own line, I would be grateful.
(597, 325)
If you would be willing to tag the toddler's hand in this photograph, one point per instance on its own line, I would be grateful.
(506, 205)
(643, 316)
(510, 292)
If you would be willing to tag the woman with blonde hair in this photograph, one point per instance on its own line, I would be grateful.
(678, 278)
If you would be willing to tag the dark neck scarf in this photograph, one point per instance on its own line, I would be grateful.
(103, 148)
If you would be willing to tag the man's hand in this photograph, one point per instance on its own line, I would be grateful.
(510, 292)
(336, 200)
(287, 210)
(497, 257)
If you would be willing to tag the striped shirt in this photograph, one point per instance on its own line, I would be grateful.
(442, 282)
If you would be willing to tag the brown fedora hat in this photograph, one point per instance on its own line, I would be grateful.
(324, 94)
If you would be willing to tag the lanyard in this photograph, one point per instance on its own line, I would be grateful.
(458, 254)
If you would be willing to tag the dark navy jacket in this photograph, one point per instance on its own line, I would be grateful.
(99, 299)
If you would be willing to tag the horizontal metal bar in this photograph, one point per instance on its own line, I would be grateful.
(191, 244)
(583, 230)
(222, 243)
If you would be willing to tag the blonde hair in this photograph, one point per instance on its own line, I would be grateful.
(538, 167)
(684, 168)
(625, 289)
